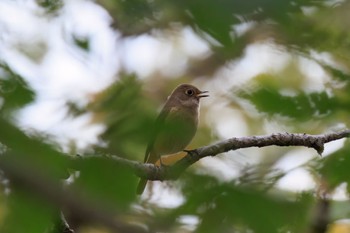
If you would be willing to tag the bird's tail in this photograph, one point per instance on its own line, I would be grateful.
(141, 186)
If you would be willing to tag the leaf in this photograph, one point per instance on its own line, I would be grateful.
(302, 106)
(51, 6)
(340, 210)
(336, 167)
(82, 42)
(224, 207)
(13, 90)
(103, 180)
(217, 21)
(33, 151)
(128, 116)
(27, 214)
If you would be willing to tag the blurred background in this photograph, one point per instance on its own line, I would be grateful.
(86, 78)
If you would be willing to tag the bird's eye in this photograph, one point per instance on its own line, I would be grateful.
(189, 92)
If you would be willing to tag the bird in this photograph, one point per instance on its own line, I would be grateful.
(174, 127)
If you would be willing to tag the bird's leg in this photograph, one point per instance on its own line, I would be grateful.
(192, 153)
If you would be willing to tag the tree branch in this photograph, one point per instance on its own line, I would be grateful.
(152, 172)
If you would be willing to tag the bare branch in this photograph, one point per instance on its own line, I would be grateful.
(152, 172)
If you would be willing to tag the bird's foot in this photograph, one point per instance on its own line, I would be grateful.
(192, 153)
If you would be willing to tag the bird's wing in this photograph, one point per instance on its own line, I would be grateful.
(158, 124)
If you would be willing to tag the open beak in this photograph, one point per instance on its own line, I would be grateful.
(202, 94)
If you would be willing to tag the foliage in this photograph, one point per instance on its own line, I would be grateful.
(34, 165)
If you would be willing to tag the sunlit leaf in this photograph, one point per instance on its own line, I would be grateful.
(302, 106)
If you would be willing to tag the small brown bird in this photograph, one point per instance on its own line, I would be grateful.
(175, 126)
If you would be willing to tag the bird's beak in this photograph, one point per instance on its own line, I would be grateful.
(202, 94)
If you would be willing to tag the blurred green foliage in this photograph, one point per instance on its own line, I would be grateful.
(302, 106)
(14, 92)
(225, 206)
(24, 212)
(340, 162)
(128, 113)
(105, 182)
(100, 180)
(50, 6)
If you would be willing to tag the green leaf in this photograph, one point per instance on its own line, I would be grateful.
(302, 106)
(336, 167)
(105, 181)
(340, 210)
(13, 90)
(223, 206)
(27, 214)
(129, 118)
(82, 42)
(33, 151)
(51, 6)
(217, 21)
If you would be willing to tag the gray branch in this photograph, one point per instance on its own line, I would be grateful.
(152, 172)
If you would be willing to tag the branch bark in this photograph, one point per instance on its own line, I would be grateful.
(153, 172)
